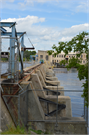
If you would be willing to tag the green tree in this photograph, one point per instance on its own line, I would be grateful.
(74, 63)
(63, 62)
(77, 44)
(28, 53)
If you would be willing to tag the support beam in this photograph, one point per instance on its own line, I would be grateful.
(13, 38)
(10, 57)
(2, 29)
(22, 51)
(13, 52)
(7, 24)
(20, 34)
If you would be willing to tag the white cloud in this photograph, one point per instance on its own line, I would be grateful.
(25, 22)
(69, 33)
(44, 37)
(11, 0)
(72, 5)
(6, 0)
(75, 29)
(64, 39)
(40, 1)
(27, 3)
(83, 6)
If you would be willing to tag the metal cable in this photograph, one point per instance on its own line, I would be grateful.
(29, 40)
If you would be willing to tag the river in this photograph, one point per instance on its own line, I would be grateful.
(70, 81)
(4, 66)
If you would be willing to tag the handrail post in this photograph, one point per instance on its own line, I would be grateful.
(57, 109)
(19, 109)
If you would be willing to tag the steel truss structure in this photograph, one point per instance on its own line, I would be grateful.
(15, 38)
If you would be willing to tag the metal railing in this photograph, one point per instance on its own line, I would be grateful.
(19, 108)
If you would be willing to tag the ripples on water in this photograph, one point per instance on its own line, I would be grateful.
(70, 81)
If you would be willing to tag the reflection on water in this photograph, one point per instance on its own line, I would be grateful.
(64, 70)
(4, 66)
(70, 81)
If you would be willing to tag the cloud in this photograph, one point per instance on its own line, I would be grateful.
(27, 3)
(39, 1)
(64, 39)
(6, 1)
(44, 37)
(26, 22)
(72, 5)
(68, 33)
(83, 6)
(75, 29)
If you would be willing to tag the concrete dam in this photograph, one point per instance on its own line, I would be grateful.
(38, 100)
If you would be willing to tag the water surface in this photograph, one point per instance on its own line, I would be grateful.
(70, 81)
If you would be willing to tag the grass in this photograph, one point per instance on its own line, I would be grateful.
(37, 131)
(21, 130)
(13, 130)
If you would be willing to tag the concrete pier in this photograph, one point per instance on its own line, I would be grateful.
(45, 78)
(5, 117)
(40, 93)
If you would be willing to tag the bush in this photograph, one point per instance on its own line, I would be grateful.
(13, 130)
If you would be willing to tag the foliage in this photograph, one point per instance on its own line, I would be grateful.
(63, 62)
(13, 130)
(37, 131)
(23, 59)
(50, 52)
(4, 59)
(77, 44)
(83, 74)
(28, 53)
(73, 63)
(21, 130)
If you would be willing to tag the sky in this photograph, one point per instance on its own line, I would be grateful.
(46, 22)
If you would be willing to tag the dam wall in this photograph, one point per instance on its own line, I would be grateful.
(6, 119)
(42, 104)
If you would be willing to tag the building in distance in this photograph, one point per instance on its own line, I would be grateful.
(43, 55)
